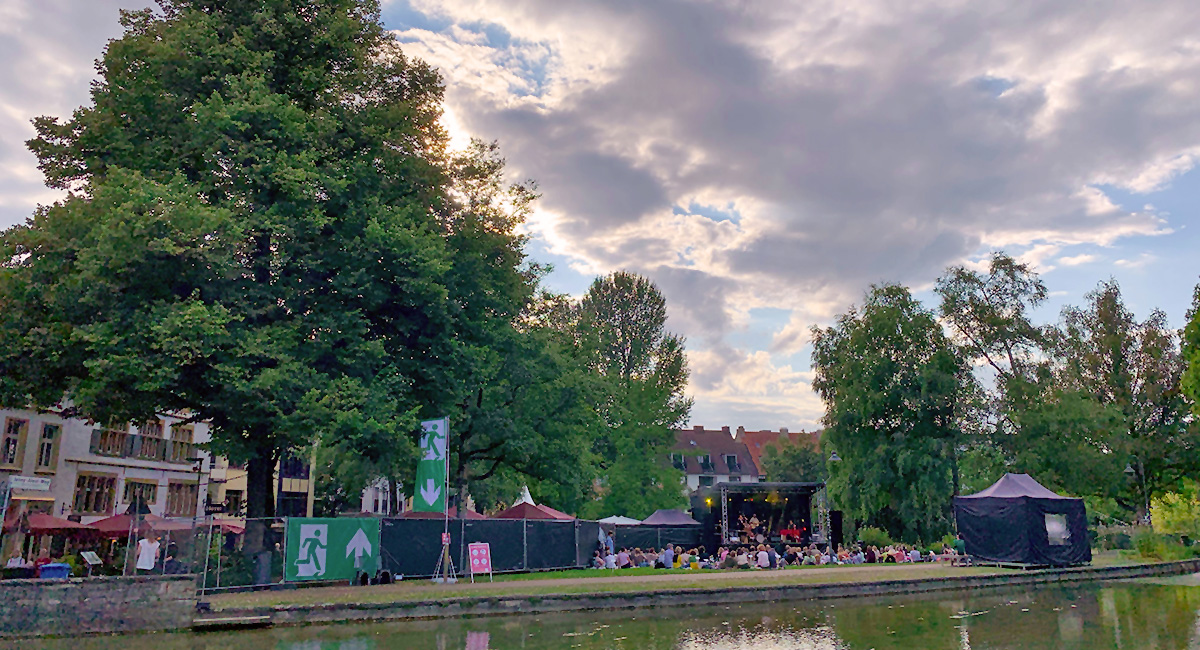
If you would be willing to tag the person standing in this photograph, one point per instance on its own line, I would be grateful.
(147, 555)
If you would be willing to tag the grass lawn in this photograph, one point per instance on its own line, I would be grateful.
(587, 582)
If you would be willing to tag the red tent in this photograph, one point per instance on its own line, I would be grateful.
(412, 514)
(162, 524)
(117, 525)
(526, 510)
(557, 514)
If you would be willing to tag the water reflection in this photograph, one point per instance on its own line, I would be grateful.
(1125, 616)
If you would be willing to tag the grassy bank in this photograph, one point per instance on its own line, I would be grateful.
(589, 581)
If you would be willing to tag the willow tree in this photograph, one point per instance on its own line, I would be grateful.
(260, 231)
(892, 384)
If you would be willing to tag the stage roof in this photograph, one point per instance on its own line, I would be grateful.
(758, 488)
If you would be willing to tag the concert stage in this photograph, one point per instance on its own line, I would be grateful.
(783, 513)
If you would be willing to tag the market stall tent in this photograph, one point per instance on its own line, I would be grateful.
(1019, 521)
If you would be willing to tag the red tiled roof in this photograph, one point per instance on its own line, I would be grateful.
(717, 444)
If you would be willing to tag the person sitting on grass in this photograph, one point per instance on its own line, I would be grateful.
(597, 561)
(610, 561)
(623, 559)
(667, 557)
(915, 555)
(650, 557)
(764, 560)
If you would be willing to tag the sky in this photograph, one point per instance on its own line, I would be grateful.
(765, 163)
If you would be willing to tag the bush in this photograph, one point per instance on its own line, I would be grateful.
(1113, 539)
(871, 536)
(1157, 546)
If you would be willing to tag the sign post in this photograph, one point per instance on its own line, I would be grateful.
(330, 549)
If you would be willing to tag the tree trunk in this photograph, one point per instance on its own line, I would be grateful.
(260, 507)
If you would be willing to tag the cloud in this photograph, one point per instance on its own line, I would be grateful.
(1136, 263)
(1077, 260)
(856, 141)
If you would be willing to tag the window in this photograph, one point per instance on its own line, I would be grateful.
(1057, 532)
(12, 445)
(181, 448)
(705, 463)
(735, 479)
(731, 462)
(94, 494)
(293, 504)
(48, 446)
(706, 481)
(233, 502)
(144, 491)
(678, 462)
(110, 441)
(292, 467)
(181, 499)
(153, 429)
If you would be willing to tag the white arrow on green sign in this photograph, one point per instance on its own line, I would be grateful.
(430, 492)
(331, 549)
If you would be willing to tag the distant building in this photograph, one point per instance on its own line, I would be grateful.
(708, 456)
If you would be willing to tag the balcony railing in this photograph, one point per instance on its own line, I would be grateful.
(122, 444)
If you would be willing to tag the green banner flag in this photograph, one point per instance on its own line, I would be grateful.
(330, 549)
(429, 492)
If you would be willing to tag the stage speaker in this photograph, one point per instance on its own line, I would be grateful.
(835, 528)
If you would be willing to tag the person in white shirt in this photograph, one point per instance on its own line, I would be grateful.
(764, 559)
(914, 555)
(147, 555)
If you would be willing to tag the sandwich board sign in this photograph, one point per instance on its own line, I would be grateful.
(330, 549)
(479, 556)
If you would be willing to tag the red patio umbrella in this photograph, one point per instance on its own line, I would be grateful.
(42, 523)
(116, 525)
(162, 524)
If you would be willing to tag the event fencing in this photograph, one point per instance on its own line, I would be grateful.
(656, 537)
(412, 547)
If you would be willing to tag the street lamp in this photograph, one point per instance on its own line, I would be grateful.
(834, 458)
(1141, 472)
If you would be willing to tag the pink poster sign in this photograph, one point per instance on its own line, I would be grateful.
(480, 554)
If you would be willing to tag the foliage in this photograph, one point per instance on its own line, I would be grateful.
(891, 382)
(1133, 370)
(1157, 546)
(872, 536)
(980, 465)
(621, 325)
(1114, 538)
(1179, 512)
(789, 460)
(1191, 353)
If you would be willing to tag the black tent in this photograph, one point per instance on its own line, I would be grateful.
(1019, 521)
(671, 518)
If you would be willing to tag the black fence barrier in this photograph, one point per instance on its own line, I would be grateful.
(656, 537)
(412, 547)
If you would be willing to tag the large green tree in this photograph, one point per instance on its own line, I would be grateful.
(892, 383)
(1133, 370)
(1191, 353)
(799, 460)
(621, 325)
(263, 231)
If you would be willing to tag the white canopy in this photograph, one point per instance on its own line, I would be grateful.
(618, 520)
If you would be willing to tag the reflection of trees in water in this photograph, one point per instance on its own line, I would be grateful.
(1128, 616)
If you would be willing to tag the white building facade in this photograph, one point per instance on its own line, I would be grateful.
(96, 471)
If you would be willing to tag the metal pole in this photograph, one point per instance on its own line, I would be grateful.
(207, 553)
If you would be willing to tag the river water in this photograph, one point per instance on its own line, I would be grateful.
(1128, 615)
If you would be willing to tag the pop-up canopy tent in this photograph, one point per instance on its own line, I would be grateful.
(667, 517)
(1019, 521)
(618, 520)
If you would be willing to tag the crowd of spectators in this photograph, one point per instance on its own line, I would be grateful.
(766, 556)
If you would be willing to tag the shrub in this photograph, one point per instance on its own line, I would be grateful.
(1157, 546)
(1113, 539)
(872, 536)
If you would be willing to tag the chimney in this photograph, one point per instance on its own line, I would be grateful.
(783, 430)
(698, 427)
(741, 430)
(725, 430)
